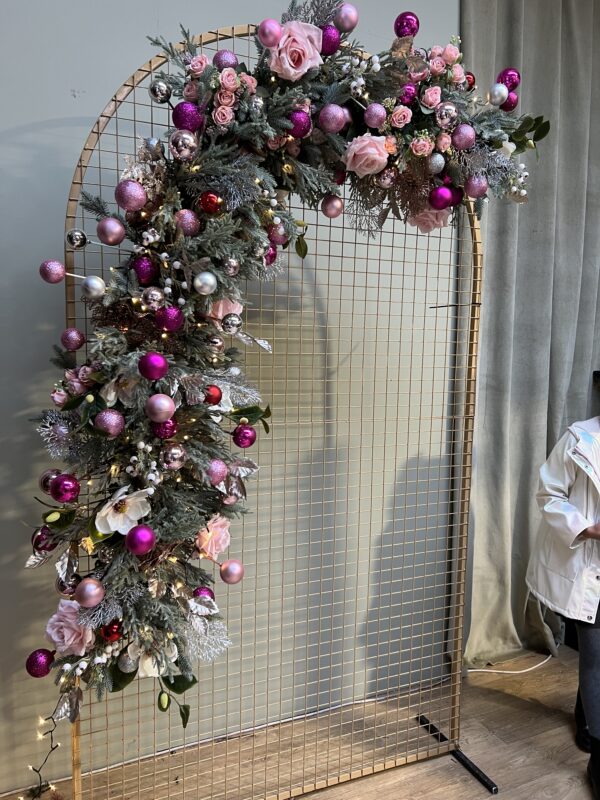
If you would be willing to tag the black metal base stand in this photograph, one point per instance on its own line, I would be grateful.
(459, 756)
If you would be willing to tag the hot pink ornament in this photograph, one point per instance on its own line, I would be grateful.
(72, 339)
(130, 195)
(440, 197)
(204, 591)
(406, 24)
(510, 77)
(39, 663)
(511, 102)
(375, 115)
(331, 40)
(407, 94)
(159, 407)
(146, 270)
(46, 479)
(164, 430)
(301, 124)
(187, 222)
(270, 256)
(153, 366)
(187, 116)
(89, 593)
(110, 231)
(232, 571)
(332, 206)
(476, 186)
(65, 488)
(52, 271)
(332, 118)
(169, 319)
(346, 18)
(463, 136)
(269, 33)
(140, 540)
(41, 540)
(110, 421)
(225, 58)
(277, 234)
(244, 436)
(217, 471)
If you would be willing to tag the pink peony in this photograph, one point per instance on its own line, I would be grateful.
(437, 66)
(190, 91)
(223, 116)
(436, 51)
(223, 307)
(458, 74)
(421, 146)
(429, 220)
(198, 64)
(401, 116)
(431, 97)
(225, 98)
(229, 79)
(443, 142)
(298, 51)
(366, 155)
(65, 632)
(59, 397)
(249, 82)
(451, 54)
(214, 539)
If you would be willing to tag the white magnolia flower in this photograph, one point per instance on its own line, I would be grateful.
(507, 148)
(122, 511)
(147, 666)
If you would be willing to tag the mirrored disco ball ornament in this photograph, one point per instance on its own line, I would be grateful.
(76, 238)
(159, 91)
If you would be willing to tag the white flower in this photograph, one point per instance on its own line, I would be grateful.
(507, 148)
(122, 511)
(147, 666)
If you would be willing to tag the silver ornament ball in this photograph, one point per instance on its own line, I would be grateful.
(183, 145)
(205, 282)
(232, 323)
(446, 114)
(216, 343)
(159, 91)
(76, 238)
(257, 103)
(127, 664)
(173, 457)
(386, 178)
(231, 267)
(154, 148)
(93, 287)
(497, 94)
(153, 298)
(436, 163)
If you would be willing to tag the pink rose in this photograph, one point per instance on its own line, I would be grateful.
(299, 50)
(458, 74)
(401, 116)
(214, 539)
(190, 91)
(223, 307)
(391, 145)
(429, 220)
(436, 51)
(437, 66)
(77, 382)
(451, 54)
(249, 82)
(225, 98)
(276, 142)
(223, 116)
(65, 632)
(59, 397)
(431, 97)
(366, 155)
(85, 375)
(197, 65)
(229, 79)
(293, 148)
(443, 142)
(419, 75)
(421, 146)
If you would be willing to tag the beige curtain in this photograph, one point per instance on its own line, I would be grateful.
(539, 341)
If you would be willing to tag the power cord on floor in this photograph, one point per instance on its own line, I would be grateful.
(513, 671)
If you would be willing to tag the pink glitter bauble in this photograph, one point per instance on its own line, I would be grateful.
(110, 231)
(110, 421)
(510, 77)
(130, 195)
(188, 117)
(169, 319)
(159, 407)
(406, 24)
(46, 479)
(204, 591)
(225, 58)
(89, 593)
(277, 234)
(217, 471)
(146, 270)
(41, 540)
(65, 488)
(72, 339)
(232, 571)
(332, 118)
(476, 186)
(440, 197)
(39, 663)
(153, 366)
(346, 18)
(331, 40)
(269, 33)
(301, 124)
(52, 271)
(511, 102)
(463, 136)
(270, 256)
(187, 222)
(332, 206)
(407, 94)
(140, 540)
(244, 436)
(164, 430)
(375, 115)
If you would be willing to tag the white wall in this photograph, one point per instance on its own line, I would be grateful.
(61, 62)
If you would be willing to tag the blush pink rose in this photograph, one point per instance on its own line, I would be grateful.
(298, 51)
(276, 142)
(225, 98)
(431, 97)
(77, 381)
(436, 51)
(249, 82)
(214, 539)
(419, 75)
(229, 79)
(65, 632)
(223, 307)
(198, 64)
(400, 117)
(293, 148)
(223, 116)
(451, 54)
(437, 66)
(458, 74)
(190, 91)
(421, 146)
(443, 142)
(429, 220)
(366, 155)
(59, 397)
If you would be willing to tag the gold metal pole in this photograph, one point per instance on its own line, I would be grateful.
(76, 760)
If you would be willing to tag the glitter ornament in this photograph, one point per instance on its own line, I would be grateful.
(204, 591)
(93, 287)
(130, 195)
(39, 663)
(332, 118)
(269, 33)
(153, 366)
(330, 41)
(270, 256)
(112, 632)
(232, 323)
(435, 163)
(345, 18)
(406, 24)
(231, 267)
(301, 124)
(440, 197)
(408, 94)
(497, 94)
(65, 488)
(76, 238)
(211, 203)
(173, 456)
(110, 231)
(164, 430)
(188, 117)
(470, 80)
(332, 206)
(205, 282)
(511, 102)
(183, 145)
(217, 471)
(46, 479)
(52, 271)
(187, 222)
(72, 339)
(110, 421)
(67, 588)
(159, 407)
(153, 298)
(510, 77)
(127, 664)
(375, 115)
(277, 234)
(41, 540)
(232, 571)
(140, 540)
(169, 319)
(89, 593)
(212, 395)
(446, 114)
(244, 436)
(386, 178)
(223, 59)
(146, 270)
(159, 91)
(463, 136)
(476, 186)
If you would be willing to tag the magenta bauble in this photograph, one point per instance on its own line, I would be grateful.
(277, 234)
(217, 471)
(244, 436)
(375, 115)
(65, 488)
(110, 231)
(164, 430)
(204, 591)
(187, 222)
(39, 663)
(130, 195)
(440, 197)
(72, 339)
(332, 118)
(110, 421)
(457, 195)
(269, 33)
(232, 571)
(169, 319)
(407, 94)
(510, 77)
(223, 59)
(463, 136)
(159, 407)
(52, 271)
(331, 40)
(89, 593)
(406, 24)
(511, 102)
(145, 269)
(476, 186)
(153, 366)
(345, 18)
(270, 256)
(140, 540)
(46, 479)
(332, 206)
(42, 540)
(187, 116)
(301, 124)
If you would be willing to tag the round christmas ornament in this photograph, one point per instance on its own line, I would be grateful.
(164, 430)
(46, 479)
(211, 203)
(232, 323)
(440, 197)
(153, 366)
(511, 102)
(67, 588)
(476, 186)
(215, 343)
(270, 256)
(153, 298)
(39, 663)
(386, 178)
(159, 91)
(169, 319)
(408, 93)
(154, 148)
(231, 267)
(183, 145)
(345, 18)
(332, 118)
(52, 271)
(331, 40)
(212, 395)
(112, 632)
(217, 471)
(173, 456)
(406, 24)
(510, 77)
(497, 94)
(470, 79)
(223, 59)
(463, 136)
(435, 163)
(205, 282)
(127, 664)
(457, 195)
(187, 222)
(375, 115)
(277, 234)
(110, 231)
(146, 270)
(204, 591)
(244, 436)
(332, 206)
(130, 195)
(93, 287)
(89, 593)
(269, 33)
(232, 571)
(76, 238)
(140, 540)
(301, 124)
(159, 407)
(446, 114)
(188, 117)
(65, 488)
(110, 421)
(41, 540)
(72, 339)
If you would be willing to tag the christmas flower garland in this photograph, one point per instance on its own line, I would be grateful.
(146, 423)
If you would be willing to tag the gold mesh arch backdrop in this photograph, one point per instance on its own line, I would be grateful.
(348, 624)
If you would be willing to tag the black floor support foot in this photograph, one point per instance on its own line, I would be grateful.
(459, 756)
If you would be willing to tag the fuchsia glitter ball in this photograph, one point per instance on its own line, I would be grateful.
(153, 366)
(41, 540)
(160, 407)
(204, 591)
(511, 102)
(510, 77)
(331, 40)
(39, 663)
(169, 319)
(407, 94)
(187, 222)
(110, 231)
(375, 115)
(332, 206)
(164, 430)
(244, 436)
(65, 488)
(72, 339)
(225, 58)
(217, 471)
(277, 234)
(301, 124)
(440, 197)
(110, 421)
(140, 540)
(476, 186)
(232, 571)
(406, 24)
(463, 136)
(270, 256)
(52, 271)
(89, 593)
(146, 270)
(269, 33)
(188, 117)
(332, 118)
(346, 18)
(130, 195)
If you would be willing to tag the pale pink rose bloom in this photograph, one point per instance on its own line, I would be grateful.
(223, 307)
(229, 79)
(458, 74)
(214, 539)
(190, 91)
(78, 380)
(443, 142)
(366, 155)
(276, 142)
(451, 54)
(293, 148)
(421, 146)
(249, 82)
(59, 397)
(198, 64)
(437, 66)
(225, 98)
(400, 117)
(417, 76)
(65, 632)
(223, 116)
(299, 50)
(431, 97)
(429, 220)
(436, 51)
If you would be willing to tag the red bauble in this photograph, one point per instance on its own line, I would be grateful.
(212, 395)
(210, 203)
(470, 79)
(112, 632)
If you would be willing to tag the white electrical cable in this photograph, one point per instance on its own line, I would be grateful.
(513, 671)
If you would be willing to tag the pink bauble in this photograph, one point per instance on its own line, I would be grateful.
(159, 407)
(375, 115)
(406, 24)
(510, 77)
(457, 195)
(140, 540)
(204, 591)
(230, 500)
(89, 593)
(110, 421)
(110, 231)
(164, 430)
(332, 118)
(440, 197)
(301, 124)
(42, 540)
(407, 94)
(223, 59)
(270, 256)
(52, 271)
(217, 471)
(145, 269)
(244, 436)
(169, 318)
(65, 488)
(476, 186)
(346, 18)
(130, 195)
(46, 479)
(463, 136)
(332, 206)
(39, 663)
(232, 571)
(72, 339)
(269, 33)
(511, 102)
(187, 222)
(153, 366)
(188, 117)
(331, 40)
(277, 234)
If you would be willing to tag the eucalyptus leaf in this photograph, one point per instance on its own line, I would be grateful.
(184, 713)
(120, 680)
(301, 246)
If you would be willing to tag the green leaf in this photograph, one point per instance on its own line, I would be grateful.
(265, 426)
(251, 413)
(179, 683)
(526, 124)
(184, 713)
(301, 246)
(120, 680)
(542, 131)
(74, 402)
(163, 701)
(64, 519)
